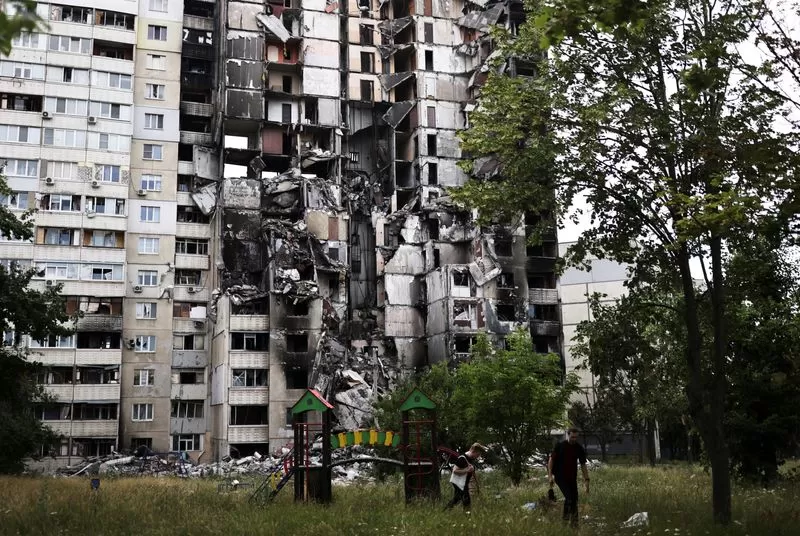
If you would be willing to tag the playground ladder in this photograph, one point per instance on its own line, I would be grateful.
(284, 467)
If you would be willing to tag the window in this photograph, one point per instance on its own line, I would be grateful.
(148, 278)
(101, 239)
(62, 170)
(143, 377)
(142, 412)
(65, 43)
(26, 40)
(55, 341)
(249, 415)
(431, 116)
(429, 60)
(156, 33)
(150, 214)
(108, 110)
(113, 80)
(366, 90)
(296, 378)
(187, 409)
(154, 121)
(145, 343)
(191, 246)
(59, 237)
(59, 202)
(16, 69)
(187, 277)
(431, 138)
(367, 62)
(505, 280)
(154, 91)
(14, 200)
(460, 278)
(108, 173)
(151, 183)
(146, 311)
(184, 442)
(113, 142)
(152, 152)
(19, 134)
(148, 245)
(80, 15)
(117, 20)
(21, 168)
(106, 205)
(286, 84)
(138, 442)
(158, 5)
(366, 34)
(189, 342)
(249, 378)
(188, 376)
(62, 105)
(191, 215)
(254, 341)
(433, 173)
(69, 75)
(157, 62)
(60, 137)
(106, 272)
(428, 32)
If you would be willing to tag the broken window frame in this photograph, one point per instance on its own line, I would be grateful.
(144, 344)
(194, 376)
(144, 377)
(187, 442)
(249, 341)
(249, 378)
(249, 415)
(187, 409)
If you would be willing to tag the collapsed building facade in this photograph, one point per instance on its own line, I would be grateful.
(305, 149)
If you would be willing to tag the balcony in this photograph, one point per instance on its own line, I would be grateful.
(193, 230)
(109, 222)
(248, 434)
(188, 325)
(108, 392)
(189, 359)
(187, 426)
(73, 219)
(194, 262)
(53, 356)
(97, 428)
(249, 323)
(99, 356)
(201, 81)
(113, 65)
(537, 265)
(546, 328)
(196, 391)
(195, 138)
(99, 323)
(543, 296)
(197, 109)
(58, 253)
(198, 23)
(198, 52)
(239, 359)
(185, 168)
(193, 294)
(114, 34)
(248, 396)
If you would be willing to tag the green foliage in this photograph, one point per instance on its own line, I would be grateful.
(25, 20)
(512, 398)
(598, 418)
(38, 314)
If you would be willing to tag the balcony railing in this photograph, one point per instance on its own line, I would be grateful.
(99, 323)
(249, 323)
(546, 328)
(543, 296)
(195, 138)
(198, 23)
(248, 434)
(197, 108)
(248, 396)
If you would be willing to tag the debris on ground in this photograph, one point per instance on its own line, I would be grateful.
(640, 519)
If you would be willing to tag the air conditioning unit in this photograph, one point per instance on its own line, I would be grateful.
(95, 184)
(50, 282)
(137, 289)
(46, 115)
(49, 181)
(92, 120)
(90, 213)
(199, 324)
(131, 344)
(141, 192)
(191, 290)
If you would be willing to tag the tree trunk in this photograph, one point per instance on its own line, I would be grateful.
(709, 420)
(515, 471)
(651, 443)
(603, 449)
(689, 451)
(641, 449)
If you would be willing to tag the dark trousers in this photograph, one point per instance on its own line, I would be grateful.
(460, 496)
(569, 488)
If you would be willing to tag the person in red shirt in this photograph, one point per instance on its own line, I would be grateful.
(562, 468)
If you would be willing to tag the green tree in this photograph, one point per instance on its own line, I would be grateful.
(598, 418)
(23, 19)
(22, 311)
(513, 398)
(651, 113)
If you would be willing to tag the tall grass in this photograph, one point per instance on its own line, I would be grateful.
(677, 499)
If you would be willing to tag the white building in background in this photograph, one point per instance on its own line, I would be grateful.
(607, 278)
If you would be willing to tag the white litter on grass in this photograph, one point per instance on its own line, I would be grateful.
(529, 506)
(640, 519)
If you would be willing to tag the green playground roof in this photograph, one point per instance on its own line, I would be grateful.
(311, 401)
(416, 399)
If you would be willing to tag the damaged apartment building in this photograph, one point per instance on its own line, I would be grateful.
(274, 178)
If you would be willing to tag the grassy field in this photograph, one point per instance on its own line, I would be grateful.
(676, 498)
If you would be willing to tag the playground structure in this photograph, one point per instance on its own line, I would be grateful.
(311, 423)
